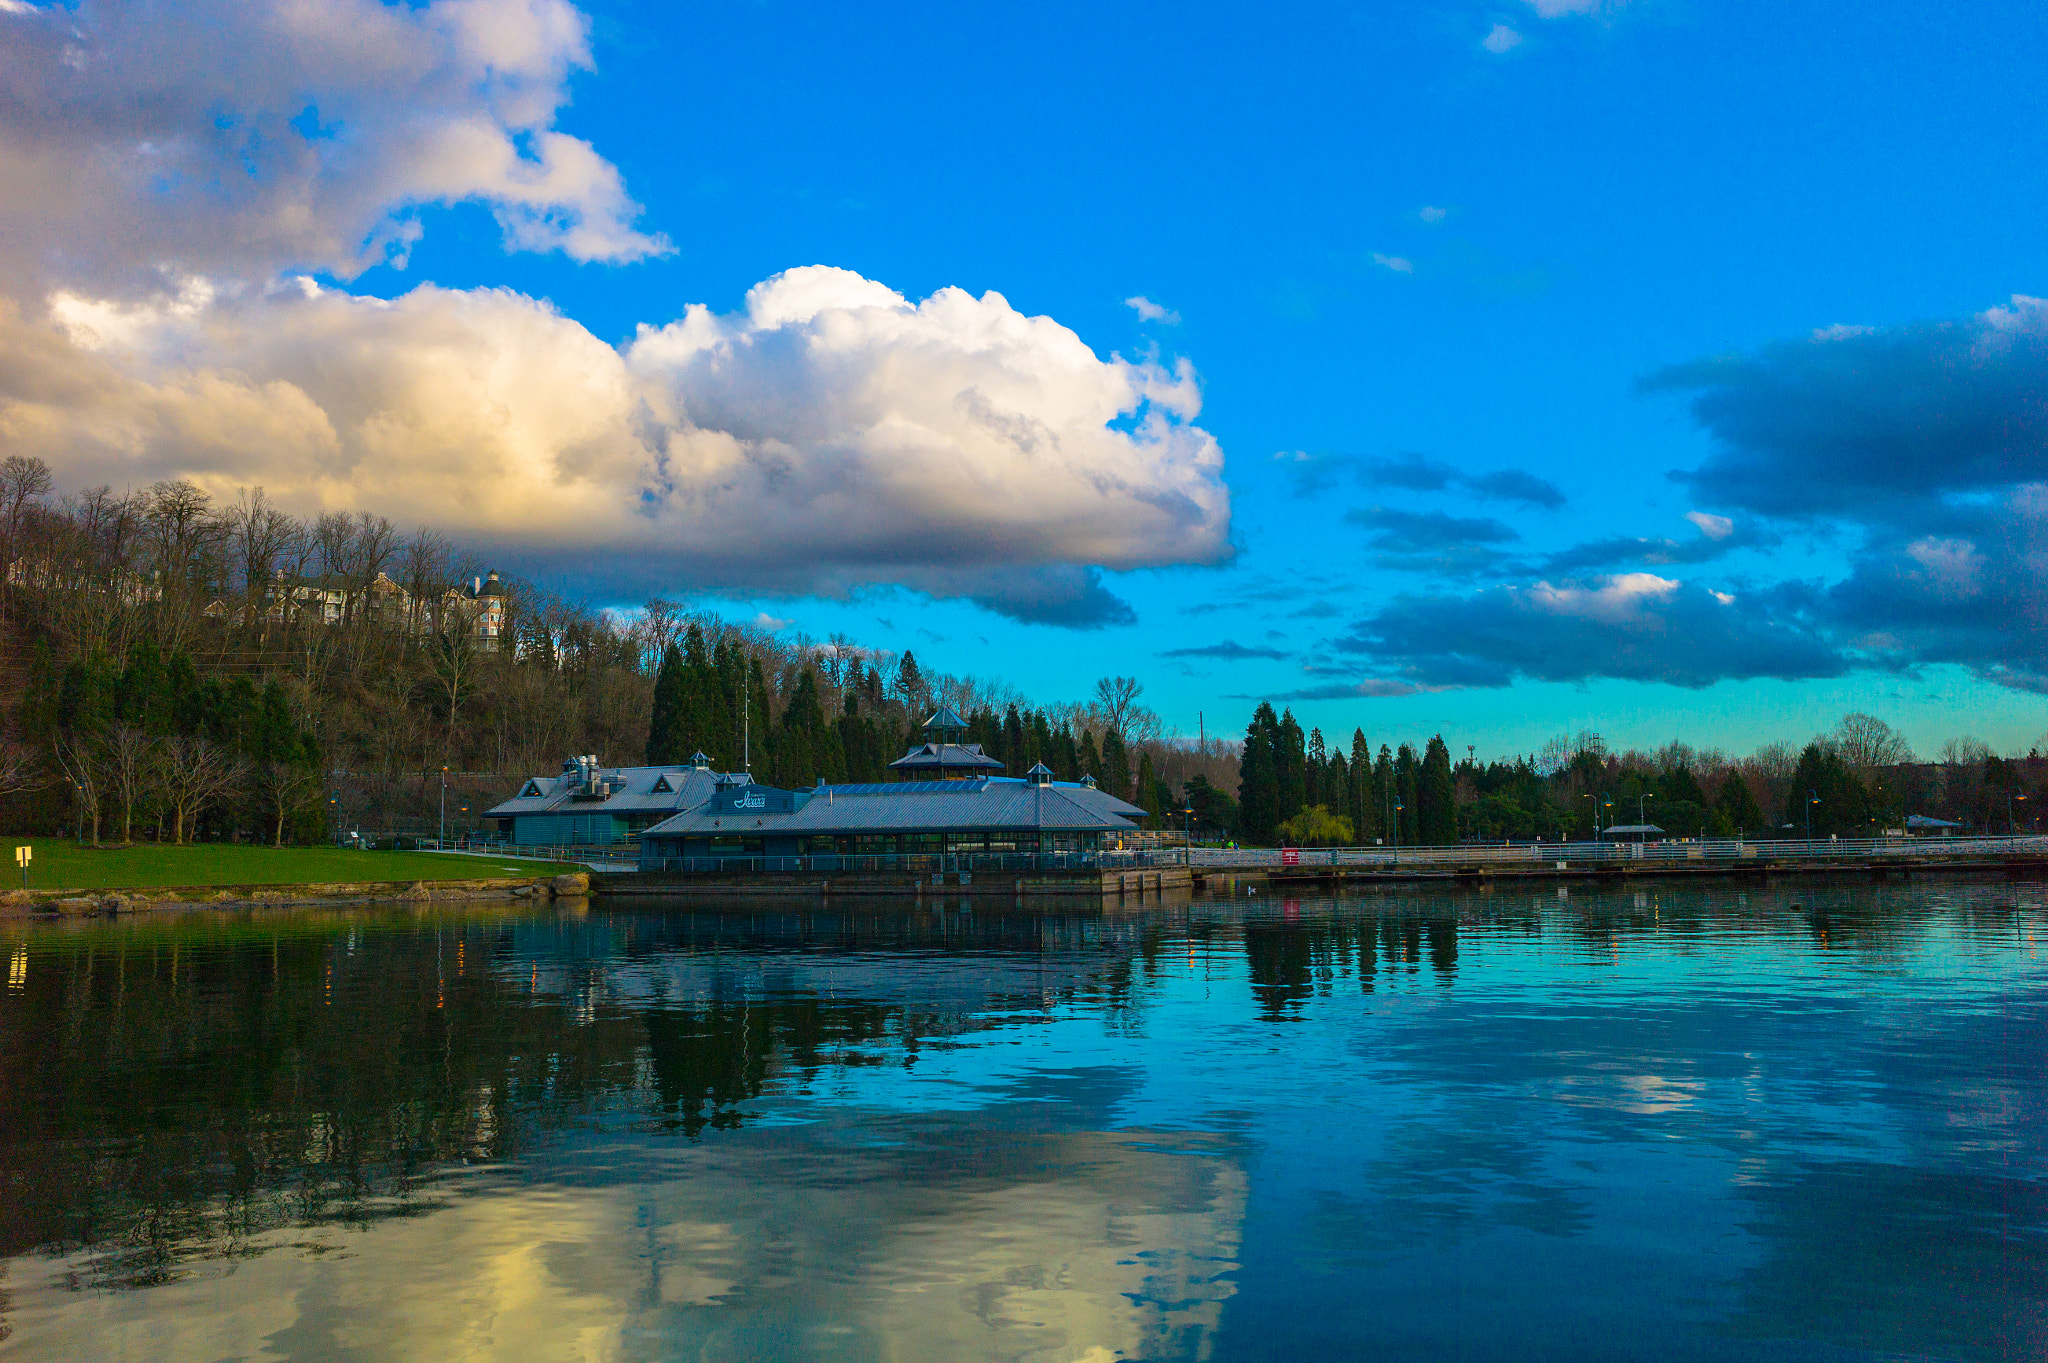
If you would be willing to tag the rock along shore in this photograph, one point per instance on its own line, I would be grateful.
(143, 899)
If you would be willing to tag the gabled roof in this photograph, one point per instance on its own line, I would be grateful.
(637, 790)
(944, 718)
(941, 756)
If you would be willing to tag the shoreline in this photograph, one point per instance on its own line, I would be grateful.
(103, 903)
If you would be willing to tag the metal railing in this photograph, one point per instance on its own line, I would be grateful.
(1572, 854)
(948, 863)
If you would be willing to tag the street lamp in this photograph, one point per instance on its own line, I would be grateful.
(1188, 849)
(443, 839)
(1811, 800)
(1640, 817)
(2010, 827)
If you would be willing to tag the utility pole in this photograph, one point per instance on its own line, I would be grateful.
(444, 805)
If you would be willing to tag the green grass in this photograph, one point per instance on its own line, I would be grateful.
(58, 864)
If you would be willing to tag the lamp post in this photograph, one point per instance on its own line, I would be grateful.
(2010, 827)
(1640, 816)
(1188, 848)
(443, 839)
(1811, 800)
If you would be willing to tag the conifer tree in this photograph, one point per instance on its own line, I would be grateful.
(1087, 761)
(1385, 791)
(1364, 815)
(1148, 791)
(1116, 765)
(1406, 767)
(1436, 795)
(665, 737)
(1290, 759)
(1736, 812)
(1258, 778)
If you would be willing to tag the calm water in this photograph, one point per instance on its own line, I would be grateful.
(1790, 1124)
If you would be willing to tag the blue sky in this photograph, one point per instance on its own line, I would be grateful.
(1460, 286)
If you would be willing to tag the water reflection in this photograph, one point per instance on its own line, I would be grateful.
(903, 1131)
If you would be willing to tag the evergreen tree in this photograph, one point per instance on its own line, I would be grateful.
(1065, 759)
(1015, 755)
(1436, 796)
(1364, 813)
(1087, 761)
(1116, 765)
(1289, 759)
(1408, 811)
(1840, 804)
(910, 685)
(1258, 778)
(665, 737)
(1148, 791)
(1736, 813)
(1314, 770)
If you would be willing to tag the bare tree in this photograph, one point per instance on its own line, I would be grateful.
(19, 769)
(78, 757)
(190, 774)
(286, 786)
(264, 538)
(456, 660)
(1868, 743)
(128, 753)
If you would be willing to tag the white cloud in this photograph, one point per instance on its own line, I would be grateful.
(774, 624)
(1840, 331)
(1149, 311)
(169, 172)
(1559, 9)
(1617, 600)
(1430, 213)
(1398, 264)
(1712, 526)
(244, 137)
(832, 434)
(1500, 39)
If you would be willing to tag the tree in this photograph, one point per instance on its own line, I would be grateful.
(129, 752)
(1436, 794)
(1087, 761)
(190, 773)
(1148, 791)
(1868, 743)
(1823, 786)
(1116, 765)
(1407, 805)
(1290, 760)
(79, 759)
(1258, 778)
(1735, 808)
(1117, 699)
(1316, 826)
(665, 737)
(1363, 811)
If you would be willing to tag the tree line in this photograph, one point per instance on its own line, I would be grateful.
(180, 666)
(1854, 781)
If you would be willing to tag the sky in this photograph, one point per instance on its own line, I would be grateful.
(1669, 369)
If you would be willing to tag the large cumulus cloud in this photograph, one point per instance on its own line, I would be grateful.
(161, 319)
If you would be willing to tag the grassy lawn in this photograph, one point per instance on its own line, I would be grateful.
(63, 865)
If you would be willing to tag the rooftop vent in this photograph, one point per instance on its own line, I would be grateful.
(1039, 775)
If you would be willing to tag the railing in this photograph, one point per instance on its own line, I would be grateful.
(914, 863)
(1572, 854)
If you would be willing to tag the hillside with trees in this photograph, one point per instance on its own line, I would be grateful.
(180, 668)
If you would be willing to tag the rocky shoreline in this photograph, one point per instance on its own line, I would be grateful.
(144, 899)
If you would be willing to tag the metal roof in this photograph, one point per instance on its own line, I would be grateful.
(944, 755)
(982, 804)
(635, 792)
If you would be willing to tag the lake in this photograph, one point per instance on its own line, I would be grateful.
(1787, 1122)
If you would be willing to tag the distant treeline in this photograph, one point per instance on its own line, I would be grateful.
(176, 667)
(1856, 781)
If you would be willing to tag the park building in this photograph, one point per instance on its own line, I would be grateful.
(949, 798)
